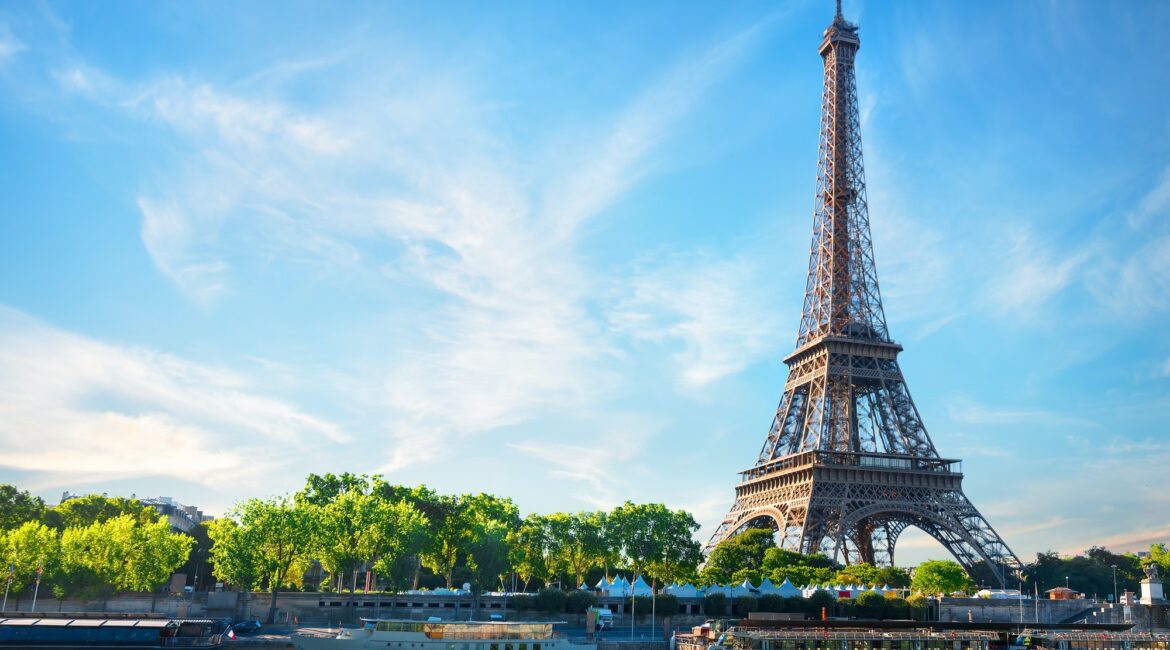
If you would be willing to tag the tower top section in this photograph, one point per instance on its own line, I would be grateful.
(840, 33)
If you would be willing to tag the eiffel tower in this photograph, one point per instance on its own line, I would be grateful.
(847, 465)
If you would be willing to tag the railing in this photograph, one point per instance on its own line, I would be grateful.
(856, 459)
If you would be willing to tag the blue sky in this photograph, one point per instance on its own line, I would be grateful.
(556, 251)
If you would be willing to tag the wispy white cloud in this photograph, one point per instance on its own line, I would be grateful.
(621, 438)
(721, 311)
(1029, 274)
(114, 411)
(968, 412)
(10, 46)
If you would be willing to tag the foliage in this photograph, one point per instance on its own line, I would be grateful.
(82, 511)
(551, 601)
(751, 575)
(531, 552)
(870, 604)
(1091, 573)
(715, 605)
(523, 602)
(18, 507)
(578, 601)
(678, 554)
(656, 539)
(866, 574)
(30, 546)
(667, 605)
(125, 554)
(820, 599)
(745, 605)
(487, 554)
(816, 569)
(743, 551)
(233, 553)
(940, 577)
(917, 606)
(584, 545)
(771, 603)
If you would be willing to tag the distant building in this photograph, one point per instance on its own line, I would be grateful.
(1062, 593)
(182, 518)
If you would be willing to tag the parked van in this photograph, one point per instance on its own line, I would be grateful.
(604, 618)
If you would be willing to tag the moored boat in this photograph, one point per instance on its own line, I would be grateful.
(28, 632)
(393, 634)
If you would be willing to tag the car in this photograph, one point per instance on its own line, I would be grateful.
(247, 627)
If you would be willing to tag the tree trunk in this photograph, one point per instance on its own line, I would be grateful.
(272, 605)
(417, 571)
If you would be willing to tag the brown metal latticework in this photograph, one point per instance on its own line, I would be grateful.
(847, 464)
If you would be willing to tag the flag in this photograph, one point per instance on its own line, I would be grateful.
(40, 570)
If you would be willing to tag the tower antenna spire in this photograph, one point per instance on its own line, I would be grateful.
(839, 16)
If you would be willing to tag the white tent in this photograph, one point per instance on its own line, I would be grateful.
(641, 588)
(684, 591)
(583, 587)
(787, 589)
(601, 585)
(766, 587)
(745, 588)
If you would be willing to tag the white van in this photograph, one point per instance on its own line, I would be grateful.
(604, 618)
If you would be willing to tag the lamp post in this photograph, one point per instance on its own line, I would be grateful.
(1116, 596)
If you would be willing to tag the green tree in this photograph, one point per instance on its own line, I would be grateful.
(715, 605)
(82, 511)
(743, 551)
(815, 569)
(17, 507)
(279, 534)
(449, 528)
(26, 548)
(820, 601)
(680, 554)
(637, 529)
(893, 576)
(530, 547)
(870, 604)
(862, 573)
(940, 577)
(402, 535)
(234, 553)
(584, 545)
(487, 555)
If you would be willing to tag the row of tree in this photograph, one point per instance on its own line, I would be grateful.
(349, 524)
(338, 527)
(87, 547)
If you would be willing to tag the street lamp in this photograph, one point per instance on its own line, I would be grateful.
(1116, 597)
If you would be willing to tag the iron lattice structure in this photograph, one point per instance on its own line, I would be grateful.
(847, 464)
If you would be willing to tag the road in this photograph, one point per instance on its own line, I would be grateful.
(642, 631)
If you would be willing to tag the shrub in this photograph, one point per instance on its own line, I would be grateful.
(667, 605)
(578, 601)
(772, 603)
(715, 605)
(642, 605)
(896, 607)
(917, 605)
(871, 604)
(794, 604)
(818, 600)
(523, 602)
(551, 601)
(745, 605)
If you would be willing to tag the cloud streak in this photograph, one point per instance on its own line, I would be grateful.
(111, 411)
